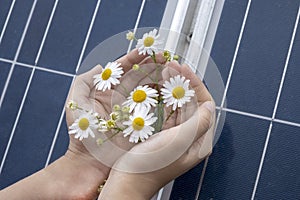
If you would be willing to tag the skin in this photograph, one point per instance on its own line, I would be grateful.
(198, 125)
(77, 174)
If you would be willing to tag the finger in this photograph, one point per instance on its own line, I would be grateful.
(130, 59)
(187, 111)
(88, 77)
(79, 92)
(170, 118)
(181, 137)
(108, 99)
(146, 75)
(200, 89)
(174, 65)
(126, 62)
(169, 72)
(171, 144)
(172, 69)
(193, 128)
(200, 149)
(159, 59)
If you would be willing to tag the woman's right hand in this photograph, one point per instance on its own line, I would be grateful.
(185, 142)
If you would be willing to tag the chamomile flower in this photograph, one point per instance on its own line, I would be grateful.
(72, 105)
(102, 126)
(170, 56)
(130, 36)
(141, 96)
(177, 92)
(149, 43)
(135, 67)
(109, 76)
(82, 127)
(139, 125)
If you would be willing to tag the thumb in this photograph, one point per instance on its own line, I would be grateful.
(168, 145)
(206, 117)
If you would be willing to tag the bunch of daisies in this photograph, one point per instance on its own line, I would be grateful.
(137, 116)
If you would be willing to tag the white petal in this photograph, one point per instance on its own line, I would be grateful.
(150, 121)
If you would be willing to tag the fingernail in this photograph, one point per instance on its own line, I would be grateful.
(175, 61)
(210, 106)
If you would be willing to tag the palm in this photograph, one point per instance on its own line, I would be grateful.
(84, 93)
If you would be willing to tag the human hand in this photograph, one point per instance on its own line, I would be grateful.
(83, 92)
(186, 140)
(77, 174)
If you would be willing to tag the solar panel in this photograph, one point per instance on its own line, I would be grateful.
(256, 49)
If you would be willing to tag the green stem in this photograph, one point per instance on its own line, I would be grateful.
(153, 57)
(79, 108)
(110, 137)
(171, 113)
(159, 113)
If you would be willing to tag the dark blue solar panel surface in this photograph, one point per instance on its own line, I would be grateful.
(11, 105)
(280, 175)
(262, 56)
(289, 108)
(233, 165)
(232, 168)
(36, 126)
(35, 32)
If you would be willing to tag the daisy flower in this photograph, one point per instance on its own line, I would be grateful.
(149, 43)
(102, 126)
(139, 125)
(109, 76)
(82, 127)
(130, 36)
(176, 92)
(141, 96)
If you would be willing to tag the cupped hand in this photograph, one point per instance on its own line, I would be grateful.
(83, 92)
(186, 140)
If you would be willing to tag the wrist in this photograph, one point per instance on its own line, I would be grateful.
(126, 186)
(74, 177)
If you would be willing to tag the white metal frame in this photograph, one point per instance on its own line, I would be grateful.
(198, 20)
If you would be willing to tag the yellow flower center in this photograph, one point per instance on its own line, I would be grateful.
(138, 123)
(148, 41)
(110, 124)
(178, 92)
(106, 74)
(139, 96)
(83, 124)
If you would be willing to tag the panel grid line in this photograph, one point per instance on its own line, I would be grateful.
(88, 35)
(242, 113)
(286, 122)
(77, 67)
(239, 112)
(246, 114)
(137, 23)
(7, 20)
(201, 179)
(37, 67)
(8, 80)
(227, 86)
(220, 109)
(46, 33)
(275, 106)
(17, 54)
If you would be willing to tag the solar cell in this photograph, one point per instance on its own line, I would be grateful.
(256, 49)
